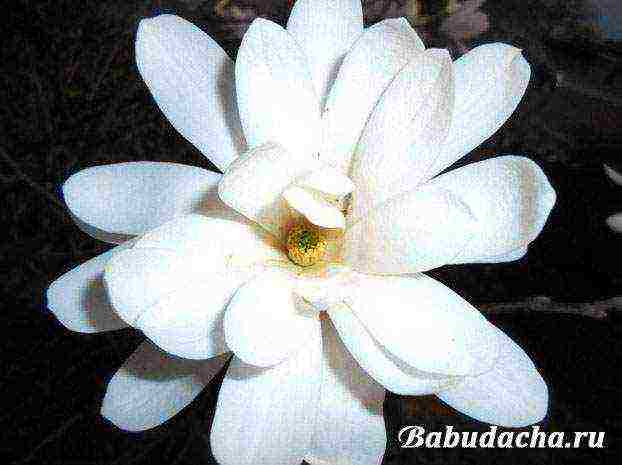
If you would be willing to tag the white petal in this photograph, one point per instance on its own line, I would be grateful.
(512, 256)
(253, 185)
(369, 67)
(263, 325)
(512, 394)
(388, 370)
(350, 424)
(325, 30)
(226, 242)
(132, 198)
(613, 175)
(402, 137)
(266, 416)
(100, 234)
(152, 387)
(328, 181)
(317, 210)
(615, 222)
(78, 298)
(510, 197)
(490, 82)
(192, 81)
(188, 322)
(137, 279)
(425, 324)
(176, 281)
(276, 98)
(182, 253)
(416, 231)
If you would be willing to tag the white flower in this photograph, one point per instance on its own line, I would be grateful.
(615, 220)
(347, 130)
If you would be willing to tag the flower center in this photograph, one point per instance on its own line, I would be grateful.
(305, 245)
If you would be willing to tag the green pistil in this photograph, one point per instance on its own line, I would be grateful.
(307, 240)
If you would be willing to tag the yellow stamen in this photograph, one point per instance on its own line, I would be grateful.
(305, 245)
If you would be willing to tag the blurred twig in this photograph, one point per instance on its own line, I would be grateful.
(599, 310)
(18, 172)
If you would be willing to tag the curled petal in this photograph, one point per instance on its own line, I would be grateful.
(328, 181)
(317, 210)
(254, 185)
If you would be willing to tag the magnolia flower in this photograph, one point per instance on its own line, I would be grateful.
(615, 220)
(305, 258)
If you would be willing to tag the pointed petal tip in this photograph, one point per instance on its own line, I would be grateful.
(536, 409)
(52, 305)
(512, 394)
(439, 53)
(77, 300)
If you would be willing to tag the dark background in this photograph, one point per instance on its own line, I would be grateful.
(71, 98)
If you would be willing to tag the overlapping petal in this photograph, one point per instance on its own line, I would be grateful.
(512, 394)
(510, 198)
(177, 280)
(192, 81)
(198, 287)
(266, 416)
(277, 101)
(315, 208)
(325, 30)
(402, 138)
(392, 373)
(127, 199)
(484, 212)
(152, 387)
(349, 420)
(78, 298)
(372, 63)
(254, 185)
(416, 231)
(328, 180)
(490, 82)
(424, 324)
(263, 323)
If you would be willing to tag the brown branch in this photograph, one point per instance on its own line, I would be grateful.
(599, 310)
